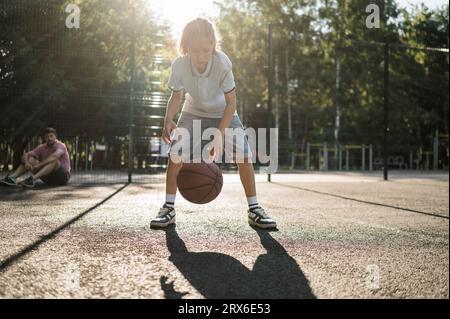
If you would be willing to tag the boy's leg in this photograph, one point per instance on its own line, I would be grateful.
(171, 176)
(22, 169)
(19, 171)
(256, 214)
(11, 180)
(166, 214)
(42, 172)
(247, 175)
(179, 147)
(46, 170)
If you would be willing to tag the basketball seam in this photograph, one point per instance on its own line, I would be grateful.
(189, 189)
(193, 172)
(209, 167)
(207, 194)
(215, 182)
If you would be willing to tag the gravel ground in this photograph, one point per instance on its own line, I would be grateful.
(343, 235)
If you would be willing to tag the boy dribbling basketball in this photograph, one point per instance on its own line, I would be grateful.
(205, 73)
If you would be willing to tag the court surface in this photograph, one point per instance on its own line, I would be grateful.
(341, 235)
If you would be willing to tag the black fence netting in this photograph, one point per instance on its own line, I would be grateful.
(97, 73)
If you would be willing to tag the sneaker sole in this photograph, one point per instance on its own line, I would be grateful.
(162, 225)
(264, 226)
(7, 183)
(27, 186)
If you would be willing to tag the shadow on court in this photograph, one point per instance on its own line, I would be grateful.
(215, 275)
(20, 193)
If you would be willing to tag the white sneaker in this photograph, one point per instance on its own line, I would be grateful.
(258, 217)
(165, 217)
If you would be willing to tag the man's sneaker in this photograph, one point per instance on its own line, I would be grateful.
(9, 180)
(258, 217)
(28, 182)
(165, 217)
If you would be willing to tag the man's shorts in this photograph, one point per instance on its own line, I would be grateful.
(236, 146)
(56, 178)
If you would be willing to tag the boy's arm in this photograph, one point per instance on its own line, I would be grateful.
(172, 108)
(52, 158)
(230, 98)
(26, 159)
(33, 153)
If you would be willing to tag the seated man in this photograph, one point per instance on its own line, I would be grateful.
(48, 162)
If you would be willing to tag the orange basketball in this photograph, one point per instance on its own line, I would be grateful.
(200, 183)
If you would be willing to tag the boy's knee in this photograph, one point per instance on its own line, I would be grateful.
(33, 161)
(175, 160)
(56, 165)
(246, 161)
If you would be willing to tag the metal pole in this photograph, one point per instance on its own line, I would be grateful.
(347, 158)
(338, 111)
(86, 157)
(270, 80)
(363, 157)
(92, 155)
(411, 165)
(289, 110)
(370, 157)
(130, 104)
(386, 111)
(436, 149)
(308, 154)
(76, 154)
(319, 158)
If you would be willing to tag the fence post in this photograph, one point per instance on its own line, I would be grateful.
(347, 158)
(325, 156)
(386, 112)
(340, 157)
(86, 156)
(319, 166)
(419, 158)
(308, 159)
(436, 150)
(130, 100)
(292, 161)
(370, 158)
(270, 83)
(363, 159)
(411, 164)
(76, 154)
(92, 154)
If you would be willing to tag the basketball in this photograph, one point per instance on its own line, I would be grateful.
(200, 183)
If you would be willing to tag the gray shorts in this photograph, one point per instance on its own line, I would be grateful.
(191, 148)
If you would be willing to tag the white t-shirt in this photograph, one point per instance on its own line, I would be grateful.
(204, 92)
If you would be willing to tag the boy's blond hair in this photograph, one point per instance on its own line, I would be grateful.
(196, 28)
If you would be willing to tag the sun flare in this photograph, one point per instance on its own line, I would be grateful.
(179, 12)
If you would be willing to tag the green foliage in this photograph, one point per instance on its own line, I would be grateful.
(79, 79)
(315, 35)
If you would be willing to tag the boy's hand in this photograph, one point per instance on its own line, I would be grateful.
(217, 149)
(169, 125)
(35, 168)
